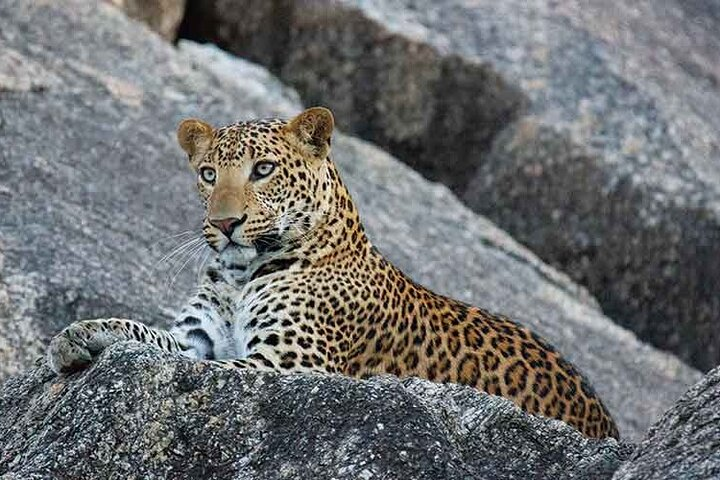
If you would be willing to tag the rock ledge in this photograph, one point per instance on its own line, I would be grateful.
(141, 413)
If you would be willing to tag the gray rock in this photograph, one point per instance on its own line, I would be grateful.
(685, 442)
(139, 413)
(586, 129)
(163, 16)
(94, 186)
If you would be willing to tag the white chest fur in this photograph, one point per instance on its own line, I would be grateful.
(242, 299)
(250, 312)
(242, 316)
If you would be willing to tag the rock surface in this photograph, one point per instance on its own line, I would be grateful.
(685, 442)
(163, 16)
(94, 187)
(139, 413)
(586, 129)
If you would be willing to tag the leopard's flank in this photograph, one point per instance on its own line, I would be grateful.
(296, 286)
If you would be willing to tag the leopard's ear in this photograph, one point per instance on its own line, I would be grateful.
(313, 129)
(195, 137)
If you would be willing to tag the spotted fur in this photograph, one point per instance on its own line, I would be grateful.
(297, 286)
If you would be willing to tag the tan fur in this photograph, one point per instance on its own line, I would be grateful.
(194, 136)
(313, 128)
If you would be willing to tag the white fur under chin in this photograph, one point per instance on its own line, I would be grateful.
(236, 255)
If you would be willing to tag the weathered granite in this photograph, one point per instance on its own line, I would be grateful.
(685, 442)
(139, 413)
(163, 16)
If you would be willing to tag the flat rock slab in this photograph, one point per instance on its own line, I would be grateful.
(139, 413)
(94, 188)
(685, 442)
(588, 130)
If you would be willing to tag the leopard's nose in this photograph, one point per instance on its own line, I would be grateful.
(228, 225)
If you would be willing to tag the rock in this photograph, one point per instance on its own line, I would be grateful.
(139, 413)
(163, 16)
(583, 128)
(685, 442)
(95, 191)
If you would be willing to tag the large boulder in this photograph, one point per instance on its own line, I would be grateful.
(685, 442)
(94, 187)
(139, 413)
(163, 16)
(586, 129)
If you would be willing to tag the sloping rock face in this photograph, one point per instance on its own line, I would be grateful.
(139, 413)
(685, 442)
(94, 191)
(585, 129)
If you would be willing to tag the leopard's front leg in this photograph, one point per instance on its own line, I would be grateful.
(75, 347)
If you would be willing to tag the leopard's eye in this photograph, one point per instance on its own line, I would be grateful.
(208, 175)
(262, 169)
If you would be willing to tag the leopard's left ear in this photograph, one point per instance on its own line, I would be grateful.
(313, 129)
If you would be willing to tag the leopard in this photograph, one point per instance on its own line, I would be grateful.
(296, 285)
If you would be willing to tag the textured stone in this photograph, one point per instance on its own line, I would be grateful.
(685, 442)
(94, 187)
(586, 129)
(163, 16)
(139, 413)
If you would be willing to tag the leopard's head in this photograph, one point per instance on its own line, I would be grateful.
(264, 182)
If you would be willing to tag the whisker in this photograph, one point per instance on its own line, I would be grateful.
(182, 236)
(193, 253)
(202, 265)
(184, 233)
(183, 247)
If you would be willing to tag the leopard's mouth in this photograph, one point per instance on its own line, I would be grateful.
(232, 245)
(267, 243)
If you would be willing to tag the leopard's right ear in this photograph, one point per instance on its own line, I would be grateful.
(195, 137)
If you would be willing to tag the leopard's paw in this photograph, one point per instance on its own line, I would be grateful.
(68, 351)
